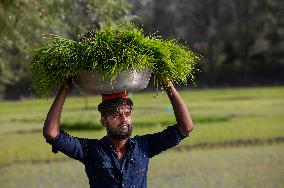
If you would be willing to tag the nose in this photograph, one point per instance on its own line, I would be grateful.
(122, 117)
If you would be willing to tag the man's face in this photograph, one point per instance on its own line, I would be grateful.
(118, 123)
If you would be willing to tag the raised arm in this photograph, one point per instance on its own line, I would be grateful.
(61, 141)
(51, 125)
(183, 118)
(153, 144)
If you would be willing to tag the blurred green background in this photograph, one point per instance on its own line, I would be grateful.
(237, 102)
(237, 141)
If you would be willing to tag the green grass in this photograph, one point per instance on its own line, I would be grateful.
(219, 115)
(257, 166)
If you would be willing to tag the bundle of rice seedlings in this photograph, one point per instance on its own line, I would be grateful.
(109, 51)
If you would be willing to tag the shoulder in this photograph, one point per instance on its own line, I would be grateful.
(170, 130)
(89, 142)
(170, 133)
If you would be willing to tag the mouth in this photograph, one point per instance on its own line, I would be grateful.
(122, 131)
(124, 126)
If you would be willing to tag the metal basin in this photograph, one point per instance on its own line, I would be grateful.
(89, 83)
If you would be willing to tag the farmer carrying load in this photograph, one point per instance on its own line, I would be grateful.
(112, 62)
(116, 160)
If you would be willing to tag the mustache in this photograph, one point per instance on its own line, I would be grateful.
(120, 132)
(123, 124)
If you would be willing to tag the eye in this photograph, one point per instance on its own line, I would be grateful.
(127, 114)
(114, 115)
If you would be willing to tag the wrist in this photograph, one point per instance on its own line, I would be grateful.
(67, 85)
(168, 86)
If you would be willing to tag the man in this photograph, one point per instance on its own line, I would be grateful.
(116, 160)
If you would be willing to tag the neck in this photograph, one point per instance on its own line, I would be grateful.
(118, 144)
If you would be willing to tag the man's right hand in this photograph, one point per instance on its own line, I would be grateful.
(51, 125)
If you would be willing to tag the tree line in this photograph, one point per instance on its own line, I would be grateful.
(241, 42)
(24, 23)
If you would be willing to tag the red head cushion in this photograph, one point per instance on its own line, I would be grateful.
(106, 97)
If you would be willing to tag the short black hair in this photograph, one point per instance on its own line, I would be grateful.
(108, 107)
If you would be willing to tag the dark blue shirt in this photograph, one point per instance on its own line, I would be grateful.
(102, 165)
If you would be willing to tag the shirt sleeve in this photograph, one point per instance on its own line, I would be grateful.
(155, 143)
(73, 147)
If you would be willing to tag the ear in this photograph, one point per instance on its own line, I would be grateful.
(103, 121)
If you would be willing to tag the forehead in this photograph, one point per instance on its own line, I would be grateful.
(123, 108)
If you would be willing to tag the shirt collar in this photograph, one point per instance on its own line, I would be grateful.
(105, 142)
